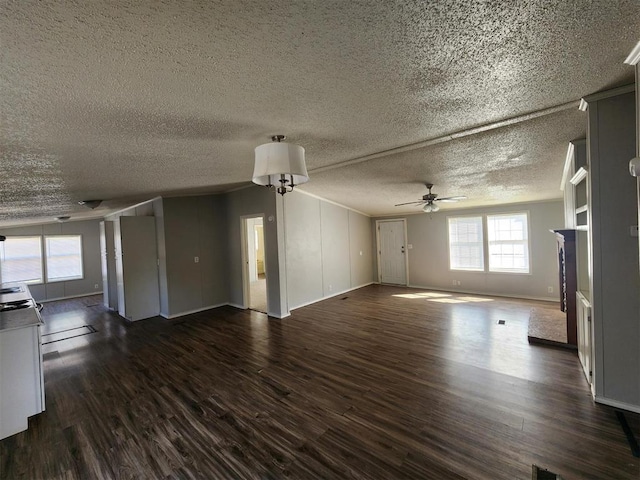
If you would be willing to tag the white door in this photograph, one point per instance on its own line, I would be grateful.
(391, 254)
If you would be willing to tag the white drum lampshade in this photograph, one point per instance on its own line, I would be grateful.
(281, 165)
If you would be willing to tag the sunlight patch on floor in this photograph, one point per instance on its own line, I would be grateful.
(443, 297)
(422, 295)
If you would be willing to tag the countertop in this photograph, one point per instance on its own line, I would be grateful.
(25, 317)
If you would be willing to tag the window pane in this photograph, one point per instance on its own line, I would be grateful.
(508, 243)
(465, 243)
(21, 260)
(64, 258)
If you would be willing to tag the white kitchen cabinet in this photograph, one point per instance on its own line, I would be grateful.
(137, 267)
(21, 371)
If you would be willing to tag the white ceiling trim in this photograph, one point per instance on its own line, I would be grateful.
(318, 197)
(151, 200)
(452, 136)
(634, 56)
(567, 165)
(608, 93)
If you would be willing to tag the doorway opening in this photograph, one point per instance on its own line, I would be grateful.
(254, 261)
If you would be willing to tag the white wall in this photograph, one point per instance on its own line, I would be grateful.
(323, 245)
(429, 257)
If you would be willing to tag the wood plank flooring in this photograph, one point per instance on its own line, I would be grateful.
(379, 383)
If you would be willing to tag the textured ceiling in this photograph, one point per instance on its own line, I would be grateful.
(127, 100)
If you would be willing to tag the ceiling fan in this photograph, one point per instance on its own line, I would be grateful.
(429, 199)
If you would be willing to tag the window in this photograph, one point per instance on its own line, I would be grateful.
(64, 257)
(508, 243)
(466, 243)
(21, 259)
(506, 247)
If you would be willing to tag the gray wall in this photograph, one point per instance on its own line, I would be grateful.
(90, 232)
(323, 245)
(429, 257)
(188, 227)
(195, 227)
(255, 201)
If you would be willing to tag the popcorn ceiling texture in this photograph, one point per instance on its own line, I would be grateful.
(128, 100)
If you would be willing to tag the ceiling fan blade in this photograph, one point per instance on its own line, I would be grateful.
(410, 203)
(451, 199)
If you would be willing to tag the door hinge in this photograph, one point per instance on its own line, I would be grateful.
(591, 373)
(589, 318)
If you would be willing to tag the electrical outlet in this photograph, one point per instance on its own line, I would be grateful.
(330, 287)
(458, 282)
(96, 286)
(455, 282)
(549, 289)
(196, 259)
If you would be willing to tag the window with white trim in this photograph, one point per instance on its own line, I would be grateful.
(63, 257)
(33, 259)
(466, 243)
(508, 243)
(21, 260)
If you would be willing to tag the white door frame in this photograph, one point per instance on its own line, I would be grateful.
(245, 258)
(406, 249)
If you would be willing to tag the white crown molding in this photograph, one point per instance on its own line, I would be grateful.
(580, 175)
(318, 197)
(583, 105)
(634, 56)
(132, 206)
(594, 97)
(567, 165)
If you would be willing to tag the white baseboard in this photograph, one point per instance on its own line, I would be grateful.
(489, 294)
(241, 307)
(326, 297)
(616, 404)
(189, 312)
(69, 297)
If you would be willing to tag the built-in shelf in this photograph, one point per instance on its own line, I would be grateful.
(582, 209)
(583, 228)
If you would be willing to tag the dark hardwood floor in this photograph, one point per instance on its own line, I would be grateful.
(379, 383)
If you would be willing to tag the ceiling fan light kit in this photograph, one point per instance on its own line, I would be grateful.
(429, 199)
(280, 165)
(430, 207)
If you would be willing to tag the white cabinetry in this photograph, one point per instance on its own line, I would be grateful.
(614, 281)
(583, 311)
(137, 267)
(21, 372)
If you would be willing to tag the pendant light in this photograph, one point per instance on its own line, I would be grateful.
(280, 165)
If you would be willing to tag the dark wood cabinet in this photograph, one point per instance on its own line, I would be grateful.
(567, 275)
